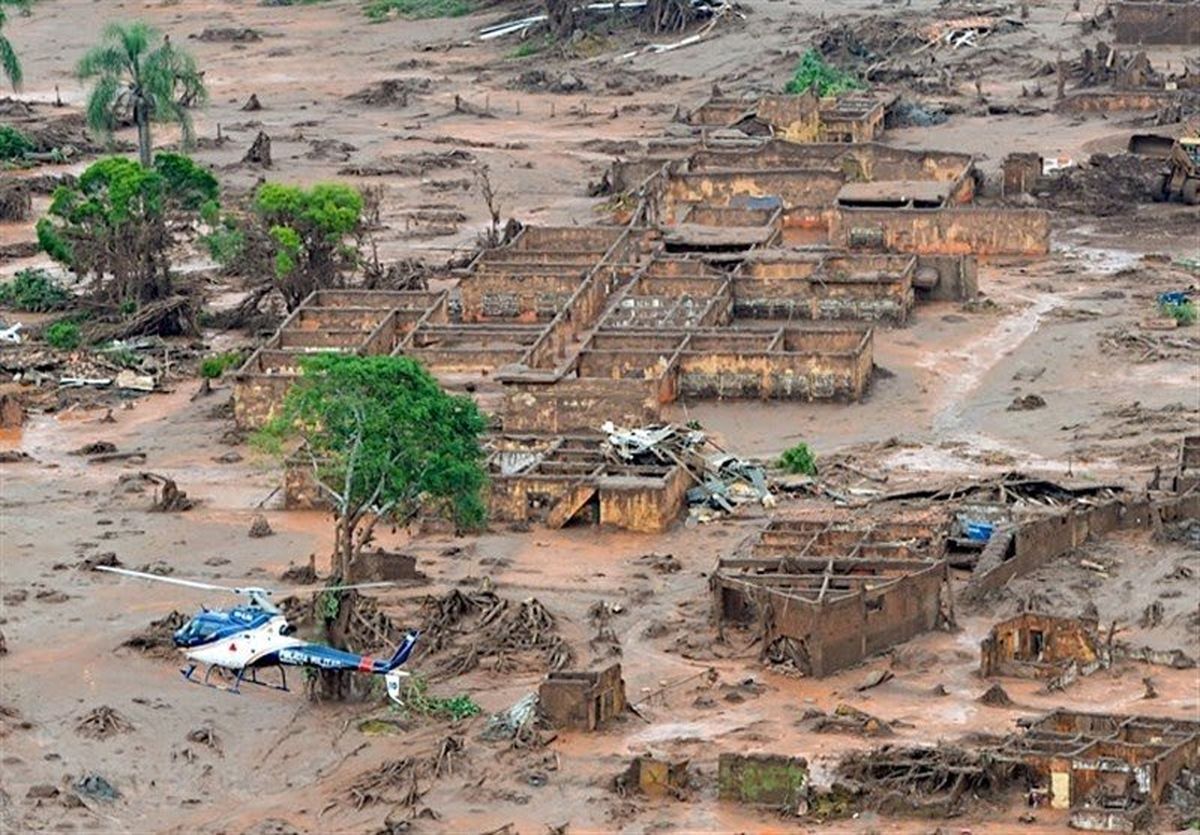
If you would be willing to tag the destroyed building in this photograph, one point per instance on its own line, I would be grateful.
(1034, 645)
(826, 590)
(802, 117)
(1107, 769)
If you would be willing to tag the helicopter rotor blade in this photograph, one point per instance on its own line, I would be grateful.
(315, 589)
(195, 584)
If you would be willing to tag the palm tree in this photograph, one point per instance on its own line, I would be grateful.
(137, 73)
(8, 56)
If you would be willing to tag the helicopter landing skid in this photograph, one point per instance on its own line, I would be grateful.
(238, 679)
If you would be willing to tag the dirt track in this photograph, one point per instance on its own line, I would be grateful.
(282, 761)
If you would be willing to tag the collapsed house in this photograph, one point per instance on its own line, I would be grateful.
(863, 197)
(638, 480)
(826, 590)
(1035, 645)
(1107, 769)
(1060, 650)
(803, 117)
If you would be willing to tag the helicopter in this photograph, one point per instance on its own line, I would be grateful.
(256, 635)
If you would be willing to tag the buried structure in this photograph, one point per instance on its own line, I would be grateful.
(827, 590)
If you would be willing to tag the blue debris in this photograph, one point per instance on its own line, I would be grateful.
(979, 531)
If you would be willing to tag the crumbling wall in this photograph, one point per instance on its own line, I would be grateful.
(949, 231)
(582, 700)
(1143, 22)
(774, 781)
(645, 505)
(256, 397)
(1020, 549)
(793, 187)
(579, 405)
(528, 294)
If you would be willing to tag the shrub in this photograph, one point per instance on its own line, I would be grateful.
(1184, 312)
(63, 335)
(829, 81)
(417, 700)
(14, 144)
(33, 290)
(799, 460)
(214, 366)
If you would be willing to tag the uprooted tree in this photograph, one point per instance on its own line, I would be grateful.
(385, 443)
(117, 225)
(140, 77)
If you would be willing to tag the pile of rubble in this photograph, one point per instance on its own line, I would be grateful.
(722, 481)
(469, 628)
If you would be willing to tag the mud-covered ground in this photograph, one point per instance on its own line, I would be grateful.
(275, 763)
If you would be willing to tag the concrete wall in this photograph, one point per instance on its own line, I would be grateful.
(1157, 23)
(579, 405)
(645, 505)
(957, 231)
(1115, 102)
(530, 295)
(793, 187)
(1020, 549)
(869, 288)
(256, 397)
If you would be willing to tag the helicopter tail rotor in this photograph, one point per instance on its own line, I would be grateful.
(403, 651)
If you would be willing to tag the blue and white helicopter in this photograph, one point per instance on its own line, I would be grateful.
(247, 638)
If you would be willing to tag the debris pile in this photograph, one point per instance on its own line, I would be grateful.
(102, 723)
(1149, 346)
(476, 626)
(156, 639)
(722, 481)
(934, 780)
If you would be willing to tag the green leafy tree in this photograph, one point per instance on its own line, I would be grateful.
(142, 77)
(9, 62)
(812, 72)
(385, 443)
(312, 235)
(117, 223)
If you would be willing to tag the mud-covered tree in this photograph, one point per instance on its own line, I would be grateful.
(117, 224)
(385, 443)
(9, 63)
(140, 77)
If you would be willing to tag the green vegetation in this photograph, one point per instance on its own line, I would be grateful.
(529, 48)
(307, 239)
(1184, 312)
(115, 223)
(799, 460)
(33, 290)
(386, 443)
(417, 701)
(64, 335)
(379, 10)
(214, 366)
(14, 145)
(142, 76)
(828, 81)
(9, 63)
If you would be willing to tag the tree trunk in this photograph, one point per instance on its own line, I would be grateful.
(141, 116)
(343, 553)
